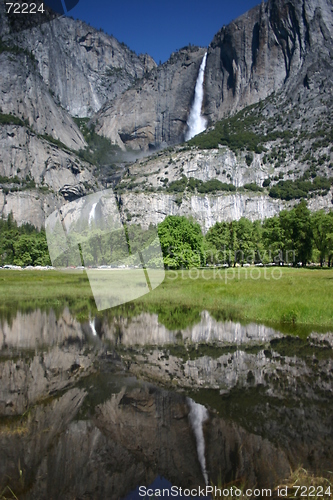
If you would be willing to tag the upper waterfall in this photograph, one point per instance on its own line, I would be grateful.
(196, 122)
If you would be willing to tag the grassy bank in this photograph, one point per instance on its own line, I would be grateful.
(285, 298)
(277, 296)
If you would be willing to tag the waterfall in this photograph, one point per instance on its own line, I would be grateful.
(92, 214)
(197, 416)
(197, 123)
(92, 327)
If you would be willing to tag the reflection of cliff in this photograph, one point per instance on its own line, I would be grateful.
(101, 436)
(145, 329)
(224, 355)
(37, 329)
(40, 355)
(152, 425)
(76, 447)
(27, 380)
(276, 393)
(25, 443)
(134, 436)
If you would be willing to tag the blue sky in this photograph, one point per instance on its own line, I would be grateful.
(159, 27)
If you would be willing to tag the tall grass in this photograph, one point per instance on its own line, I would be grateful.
(289, 299)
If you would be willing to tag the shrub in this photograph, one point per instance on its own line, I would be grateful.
(252, 186)
(249, 159)
(300, 188)
(178, 186)
(210, 186)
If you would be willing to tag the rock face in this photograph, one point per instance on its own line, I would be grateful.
(154, 112)
(49, 72)
(276, 46)
(82, 67)
(148, 209)
(280, 50)
(24, 94)
(38, 175)
(145, 198)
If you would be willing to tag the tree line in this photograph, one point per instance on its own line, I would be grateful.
(22, 245)
(294, 236)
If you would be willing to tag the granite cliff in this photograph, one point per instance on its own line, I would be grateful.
(82, 67)
(51, 72)
(278, 46)
(272, 66)
(154, 112)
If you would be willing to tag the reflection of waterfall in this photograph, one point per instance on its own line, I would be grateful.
(197, 416)
(197, 123)
(92, 213)
(92, 326)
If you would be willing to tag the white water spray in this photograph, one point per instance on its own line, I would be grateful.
(92, 214)
(92, 327)
(197, 123)
(197, 416)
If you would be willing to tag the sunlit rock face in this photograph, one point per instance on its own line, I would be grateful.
(24, 94)
(272, 47)
(62, 68)
(275, 47)
(83, 67)
(150, 202)
(207, 210)
(154, 112)
(279, 51)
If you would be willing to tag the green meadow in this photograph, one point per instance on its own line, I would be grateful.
(286, 298)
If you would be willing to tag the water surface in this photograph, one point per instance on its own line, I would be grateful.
(99, 408)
